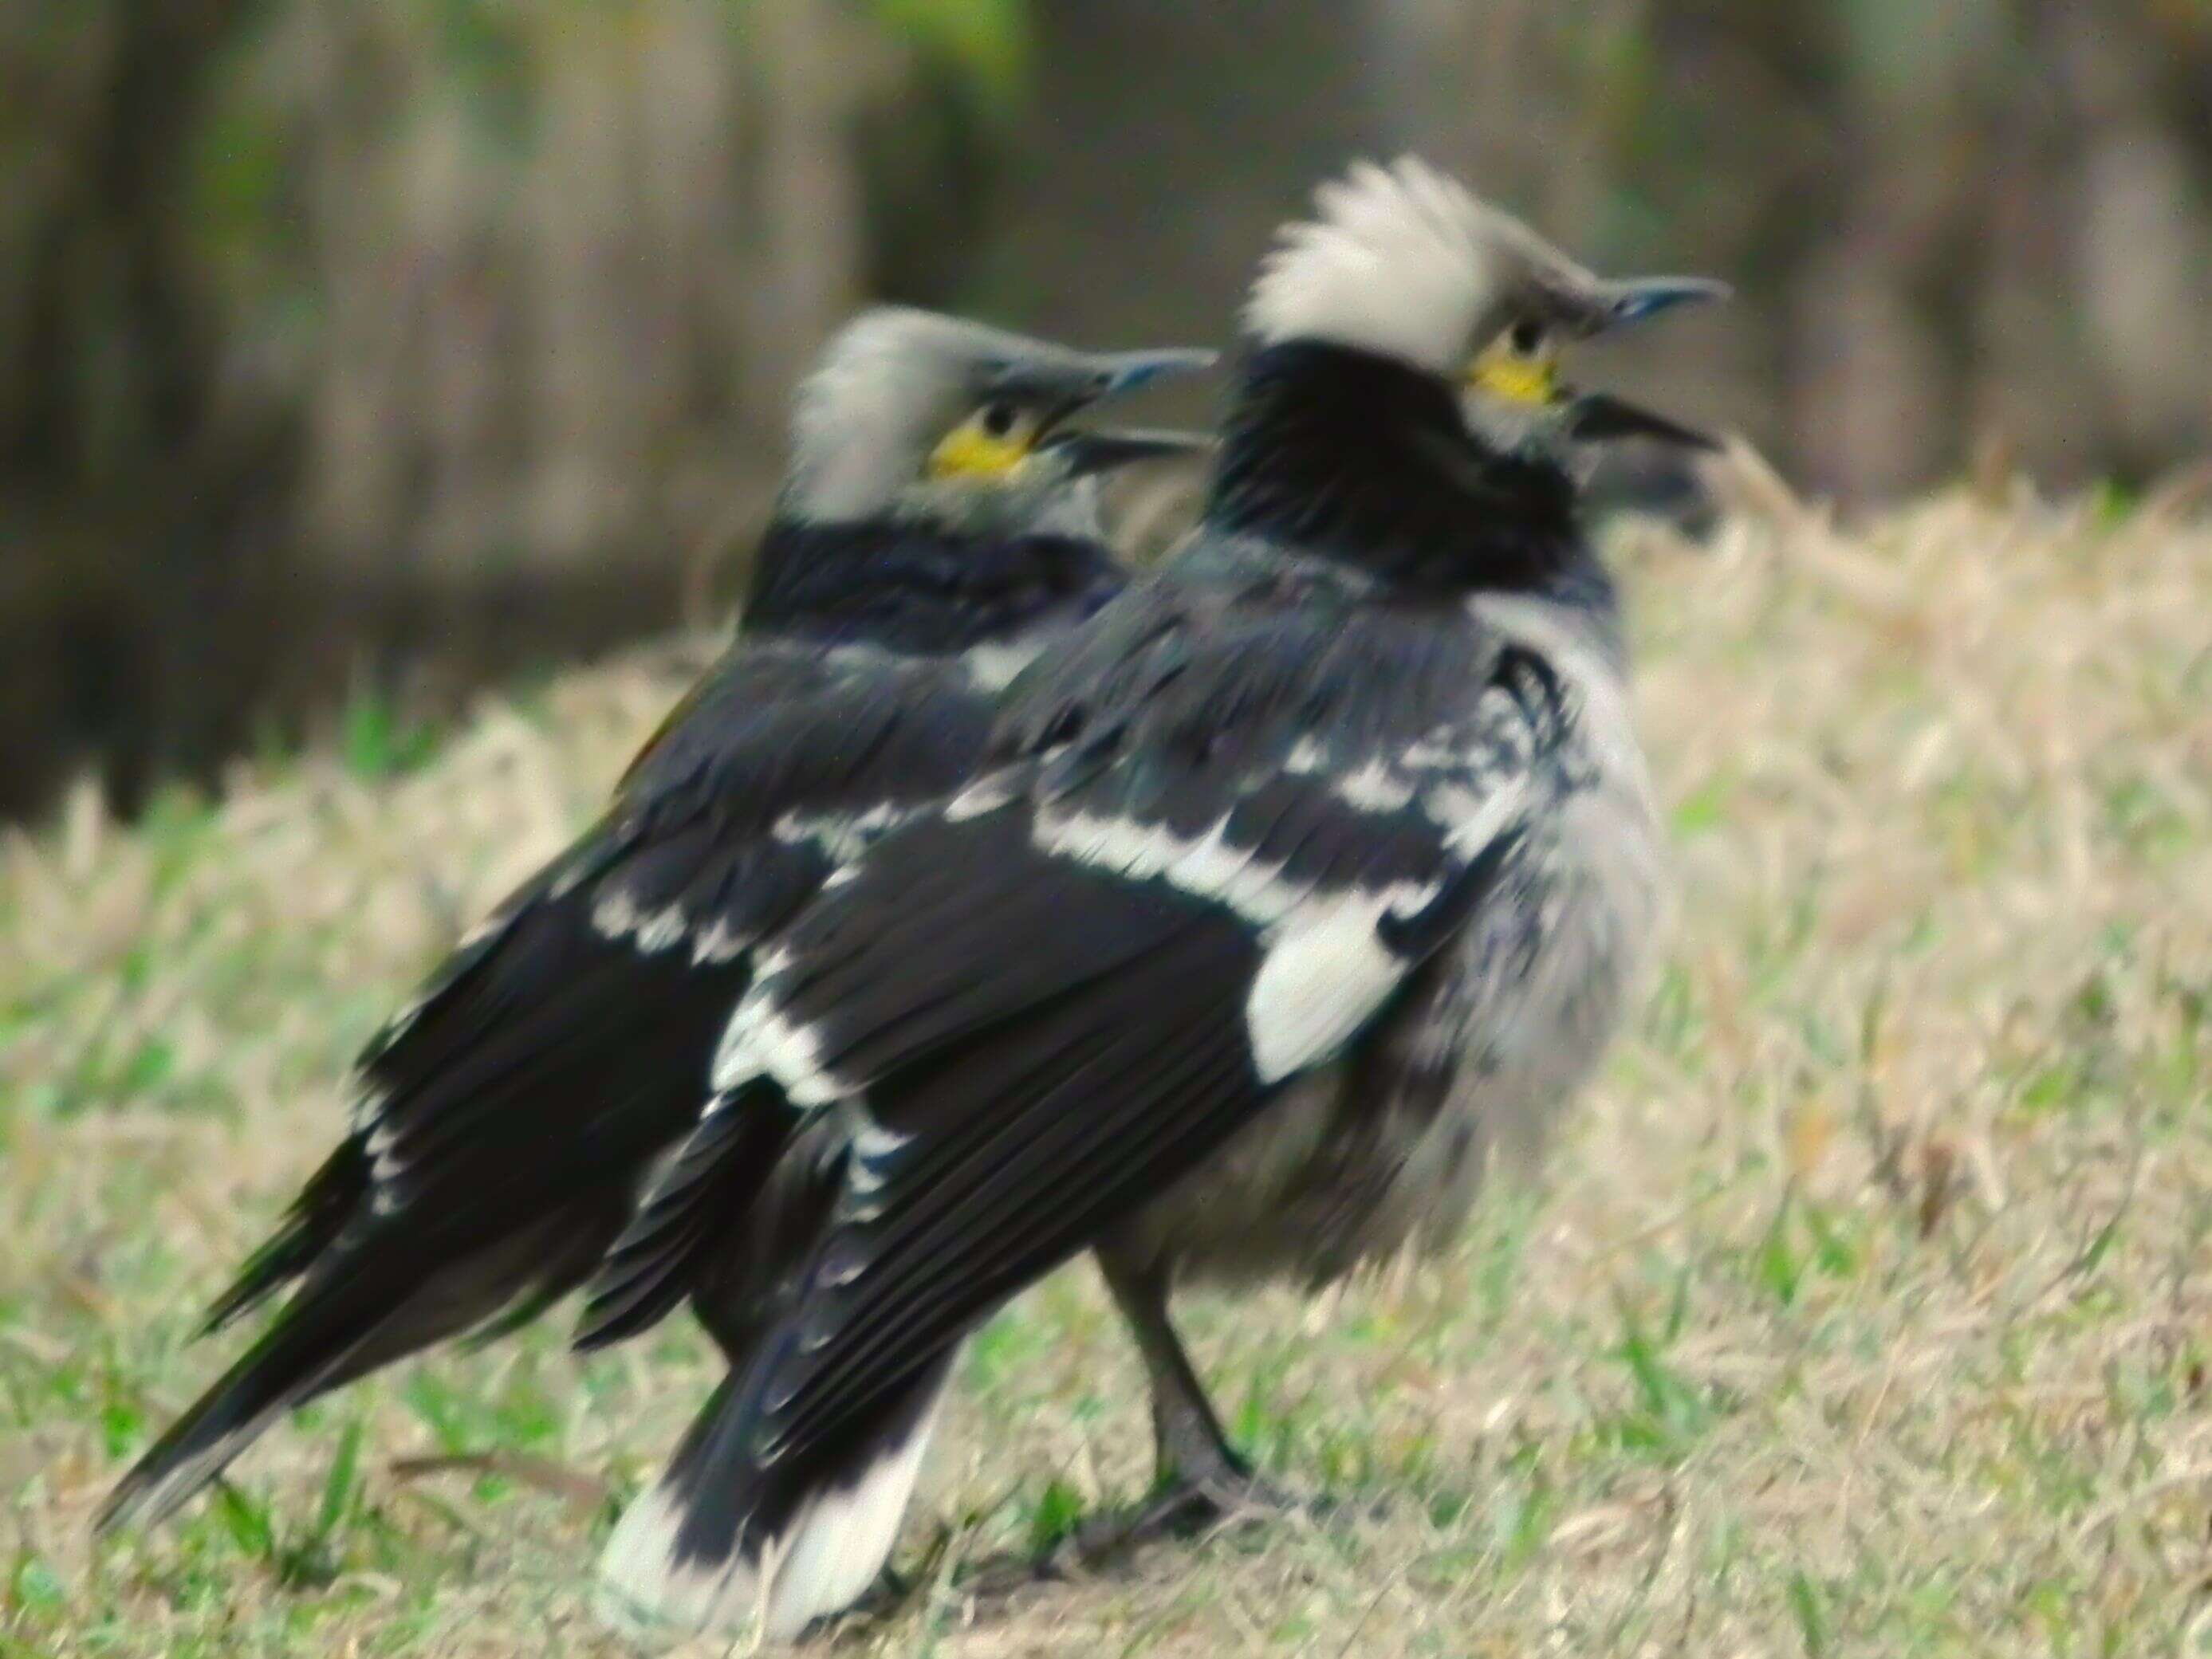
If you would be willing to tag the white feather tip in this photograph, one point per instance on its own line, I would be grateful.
(825, 1561)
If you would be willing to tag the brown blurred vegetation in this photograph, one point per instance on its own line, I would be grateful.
(410, 342)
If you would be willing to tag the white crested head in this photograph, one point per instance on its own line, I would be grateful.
(1407, 263)
(910, 410)
(880, 395)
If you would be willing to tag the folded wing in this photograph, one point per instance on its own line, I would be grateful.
(509, 1120)
(1209, 869)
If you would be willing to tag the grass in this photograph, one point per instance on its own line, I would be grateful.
(1865, 1309)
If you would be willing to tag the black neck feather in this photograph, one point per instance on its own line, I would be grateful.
(912, 587)
(1367, 461)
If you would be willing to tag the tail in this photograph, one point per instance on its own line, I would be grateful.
(326, 1206)
(376, 1303)
(724, 1543)
(727, 1205)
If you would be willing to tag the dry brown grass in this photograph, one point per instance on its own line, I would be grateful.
(1862, 1311)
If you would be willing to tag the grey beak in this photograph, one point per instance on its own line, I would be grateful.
(1105, 450)
(1633, 300)
(1061, 385)
(1601, 417)
(1118, 374)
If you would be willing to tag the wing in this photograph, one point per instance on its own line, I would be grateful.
(1238, 835)
(509, 1119)
(565, 1043)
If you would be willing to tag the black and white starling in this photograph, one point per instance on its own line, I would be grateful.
(1315, 868)
(938, 524)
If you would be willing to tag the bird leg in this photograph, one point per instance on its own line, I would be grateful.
(1198, 1478)
(1187, 1441)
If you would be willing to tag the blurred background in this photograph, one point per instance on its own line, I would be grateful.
(354, 354)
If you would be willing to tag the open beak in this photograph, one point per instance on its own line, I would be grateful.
(1108, 448)
(1116, 374)
(1601, 417)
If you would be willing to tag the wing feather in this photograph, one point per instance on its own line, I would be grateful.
(1218, 851)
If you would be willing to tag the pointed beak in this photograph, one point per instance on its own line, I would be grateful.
(1601, 417)
(1106, 450)
(1635, 299)
(1063, 384)
(1118, 374)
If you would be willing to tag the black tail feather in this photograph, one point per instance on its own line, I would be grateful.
(332, 1197)
(356, 1312)
(698, 1211)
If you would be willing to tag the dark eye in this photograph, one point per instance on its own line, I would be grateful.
(1526, 337)
(999, 419)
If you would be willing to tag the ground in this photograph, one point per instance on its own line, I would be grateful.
(1862, 1309)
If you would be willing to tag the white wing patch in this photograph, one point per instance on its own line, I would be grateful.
(1327, 970)
(986, 794)
(1205, 864)
(616, 917)
(1472, 821)
(1374, 788)
(761, 1040)
(842, 835)
(994, 667)
(1319, 983)
(718, 942)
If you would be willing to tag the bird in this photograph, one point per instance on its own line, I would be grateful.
(939, 521)
(1301, 881)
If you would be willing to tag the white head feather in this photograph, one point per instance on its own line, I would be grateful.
(883, 391)
(894, 381)
(1405, 262)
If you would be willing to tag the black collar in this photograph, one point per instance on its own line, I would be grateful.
(1365, 460)
(912, 586)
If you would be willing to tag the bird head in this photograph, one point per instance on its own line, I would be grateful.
(914, 414)
(1406, 264)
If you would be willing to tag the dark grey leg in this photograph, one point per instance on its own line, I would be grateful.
(1199, 1481)
(1188, 1443)
(1198, 1478)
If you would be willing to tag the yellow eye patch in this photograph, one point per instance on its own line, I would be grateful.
(1515, 376)
(972, 450)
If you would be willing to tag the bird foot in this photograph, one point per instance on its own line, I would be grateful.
(1182, 1507)
(1179, 1508)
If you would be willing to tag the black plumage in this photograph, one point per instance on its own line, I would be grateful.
(1043, 1039)
(507, 1120)
(1310, 415)
(924, 588)
(1289, 879)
